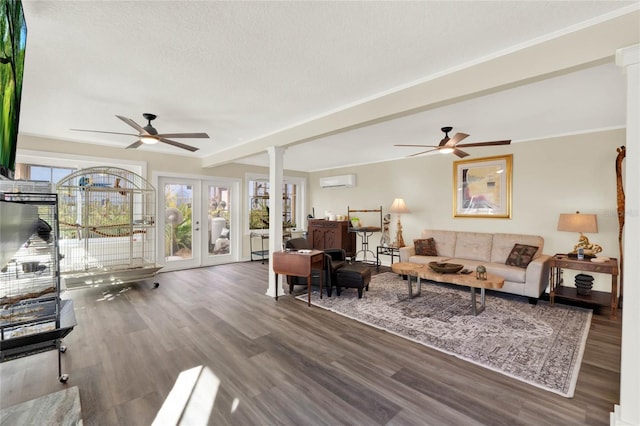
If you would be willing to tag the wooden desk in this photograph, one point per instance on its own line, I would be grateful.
(556, 289)
(299, 265)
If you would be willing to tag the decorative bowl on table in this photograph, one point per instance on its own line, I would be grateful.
(445, 268)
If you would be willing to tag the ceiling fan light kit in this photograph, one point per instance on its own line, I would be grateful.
(451, 145)
(148, 140)
(148, 135)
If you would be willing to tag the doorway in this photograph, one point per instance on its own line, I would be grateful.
(199, 222)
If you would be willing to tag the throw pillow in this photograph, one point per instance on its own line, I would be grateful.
(521, 255)
(425, 247)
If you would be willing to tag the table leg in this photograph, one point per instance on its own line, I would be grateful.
(410, 287)
(473, 301)
(474, 308)
(309, 288)
(614, 296)
(552, 284)
(276, 286)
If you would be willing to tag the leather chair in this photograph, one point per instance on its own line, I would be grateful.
(334, 259)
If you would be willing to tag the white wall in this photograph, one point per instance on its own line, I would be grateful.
(553, 176)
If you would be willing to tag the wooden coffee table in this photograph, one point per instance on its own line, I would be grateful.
(419, 272)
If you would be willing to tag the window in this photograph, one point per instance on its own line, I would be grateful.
(42, 173)
(259, 192)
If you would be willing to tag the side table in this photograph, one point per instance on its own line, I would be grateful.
(387, 251)
(365, 232)
(601, 298)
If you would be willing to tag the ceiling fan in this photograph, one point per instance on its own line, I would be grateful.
(451, 145)
(149, 135)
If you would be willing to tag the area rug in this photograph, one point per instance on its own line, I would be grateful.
(537, 344)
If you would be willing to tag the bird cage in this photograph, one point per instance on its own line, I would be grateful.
(107, 227)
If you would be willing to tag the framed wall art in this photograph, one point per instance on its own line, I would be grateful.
(482, 187)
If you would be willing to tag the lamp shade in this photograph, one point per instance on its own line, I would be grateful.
(577, 222)
(398, 206)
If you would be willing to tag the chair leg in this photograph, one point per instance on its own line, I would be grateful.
(359, 292)
(337, 291)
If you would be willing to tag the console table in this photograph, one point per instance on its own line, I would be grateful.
(299, 265)
(263, 253)
(601, 298)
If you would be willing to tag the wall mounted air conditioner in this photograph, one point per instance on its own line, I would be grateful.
(344, 181)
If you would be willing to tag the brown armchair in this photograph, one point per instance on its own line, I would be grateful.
(334, 259)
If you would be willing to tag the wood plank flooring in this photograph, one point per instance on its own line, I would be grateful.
(285, 363)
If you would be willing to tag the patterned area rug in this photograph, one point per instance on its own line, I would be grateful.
(538, 344)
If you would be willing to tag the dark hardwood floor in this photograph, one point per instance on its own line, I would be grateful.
(285, 363)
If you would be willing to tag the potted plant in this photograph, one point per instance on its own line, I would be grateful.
(355, 222)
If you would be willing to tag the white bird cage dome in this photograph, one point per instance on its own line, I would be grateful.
(107, 227)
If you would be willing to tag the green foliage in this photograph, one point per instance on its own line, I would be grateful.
(12, 48)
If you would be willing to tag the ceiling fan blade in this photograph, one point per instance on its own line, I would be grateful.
(100, 131)
(457, 138)
(133, 124)
(422, 152)
(485, 143)
(134, 145)
(419, 146)
(178, 144)
(184, 135)
(460, 153)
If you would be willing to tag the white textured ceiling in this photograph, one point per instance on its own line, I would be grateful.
(245, 71)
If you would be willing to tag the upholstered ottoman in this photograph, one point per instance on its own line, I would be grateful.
(353, 275)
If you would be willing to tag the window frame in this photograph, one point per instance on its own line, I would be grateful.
(300, 200)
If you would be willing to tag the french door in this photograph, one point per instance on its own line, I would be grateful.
(199, 222)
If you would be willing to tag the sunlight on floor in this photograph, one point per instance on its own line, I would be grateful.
(191, 399)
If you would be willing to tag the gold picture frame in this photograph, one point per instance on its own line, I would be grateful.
(482, 187)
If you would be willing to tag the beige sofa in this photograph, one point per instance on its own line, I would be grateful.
(491, 250)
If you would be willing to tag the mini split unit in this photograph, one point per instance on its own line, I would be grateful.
(344, 181)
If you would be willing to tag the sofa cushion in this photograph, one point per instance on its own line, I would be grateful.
(503, 244)
(473, 246)
(509, 273)
(424, 260)
(425, 247)
(445, 241)
(521, 255)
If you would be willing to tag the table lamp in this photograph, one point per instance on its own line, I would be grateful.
(398, 206)
(577, 222)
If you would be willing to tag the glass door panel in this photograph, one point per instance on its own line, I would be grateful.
(219, 218)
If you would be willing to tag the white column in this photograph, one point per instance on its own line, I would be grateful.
(628, 412)
(276, 166)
